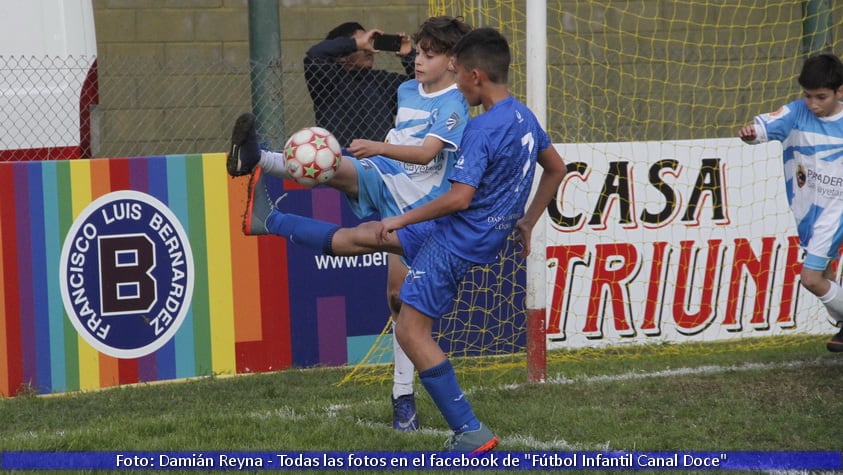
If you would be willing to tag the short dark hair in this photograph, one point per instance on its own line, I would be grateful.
(485, 49)
(822, 71)
(440, 34)
(346, 29)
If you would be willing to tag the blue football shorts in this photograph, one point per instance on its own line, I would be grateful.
(435, 272)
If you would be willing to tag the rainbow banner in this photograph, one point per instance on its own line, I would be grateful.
(200, 297)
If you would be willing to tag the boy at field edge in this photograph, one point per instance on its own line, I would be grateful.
(811, 132)
(391, 177)
(467, 225)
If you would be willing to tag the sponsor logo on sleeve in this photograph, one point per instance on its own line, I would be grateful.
(452, 121)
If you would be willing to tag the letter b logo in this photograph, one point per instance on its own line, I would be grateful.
(126, 264)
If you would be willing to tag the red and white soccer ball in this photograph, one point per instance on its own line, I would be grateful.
(312, 156)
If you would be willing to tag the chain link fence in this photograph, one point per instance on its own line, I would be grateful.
(148, 108)
(40, 104)
(137, 106)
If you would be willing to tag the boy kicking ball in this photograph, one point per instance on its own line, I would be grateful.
(466, 226)
(407, 170)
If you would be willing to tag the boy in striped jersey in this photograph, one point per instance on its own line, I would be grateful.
(811, 132)
(406, 170)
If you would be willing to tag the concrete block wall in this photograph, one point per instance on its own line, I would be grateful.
(174, 73)
(619, 70)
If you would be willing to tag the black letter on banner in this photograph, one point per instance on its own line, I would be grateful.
(708, 181)
(125, 265)
(671, 202)
(617, 184)
(554, 207)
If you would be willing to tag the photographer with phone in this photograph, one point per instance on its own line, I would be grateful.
(350, 97)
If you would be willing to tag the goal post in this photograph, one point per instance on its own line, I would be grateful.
(654, 235)
(536, 298)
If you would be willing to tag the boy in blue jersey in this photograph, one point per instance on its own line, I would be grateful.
(391, 177)
(465, 226)
(811, 132)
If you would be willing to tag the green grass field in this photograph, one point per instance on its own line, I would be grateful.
(770, 394)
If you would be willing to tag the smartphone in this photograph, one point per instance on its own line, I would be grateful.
(387, 42)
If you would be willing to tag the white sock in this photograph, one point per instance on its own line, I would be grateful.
(403, 371)
(273, 163)
(833, 301)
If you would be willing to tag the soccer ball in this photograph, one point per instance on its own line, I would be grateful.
(312, 156)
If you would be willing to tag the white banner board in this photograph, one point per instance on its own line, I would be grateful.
(674, 241)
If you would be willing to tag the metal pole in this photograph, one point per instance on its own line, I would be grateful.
(816, 26)
(265, 56)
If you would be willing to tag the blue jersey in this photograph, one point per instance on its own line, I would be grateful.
(812, 150)
(497, 157)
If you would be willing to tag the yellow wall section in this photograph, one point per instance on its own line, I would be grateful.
(89, 366)
(217, 230)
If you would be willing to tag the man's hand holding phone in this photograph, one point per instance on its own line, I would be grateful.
(384, 42)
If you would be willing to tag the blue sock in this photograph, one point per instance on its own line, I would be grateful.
(441, 383)
(307, 232)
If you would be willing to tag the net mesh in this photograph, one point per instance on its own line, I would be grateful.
(635, 71)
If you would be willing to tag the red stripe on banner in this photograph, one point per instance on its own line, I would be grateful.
(11, 302)
(275, 301)
(273, 352)
(120, 176)
(4, 335)
(101, 185)
(128, 370)
(121, 180)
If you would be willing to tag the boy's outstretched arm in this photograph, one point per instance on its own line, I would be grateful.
(418, 154)
(457, 198)
(553, 171)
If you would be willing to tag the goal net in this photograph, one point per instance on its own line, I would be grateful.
(667, 228)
